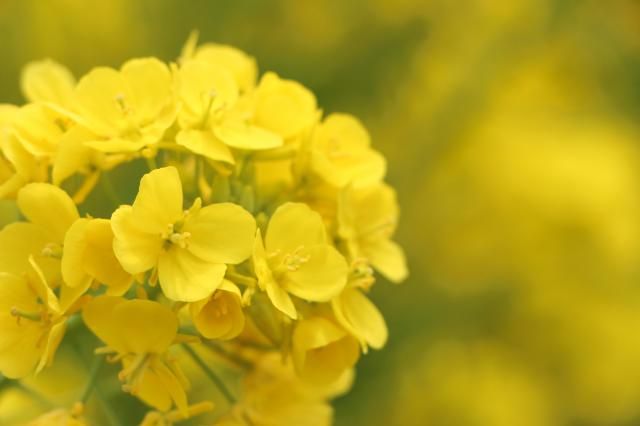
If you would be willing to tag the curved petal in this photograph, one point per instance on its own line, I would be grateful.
(388, 258)
(149, 84)
(19, 241)
(186, 278)
(222, 233)
(99, 258)
(203, 142)
(159, 200)
(131, 326)
(322, 277)
(245, 136)
(281, 300)
(294, 225)
(48, 206)
(361, 317)
(136, 250)
(47, 81)
(97, 98)
(75, 246)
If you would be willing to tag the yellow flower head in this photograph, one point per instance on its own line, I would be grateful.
(284, 107)
(88, 256)
(220, 315)
(50, 212)
(140, 332)
(17, 165)
(360, 317)
(190, 249)
(297, 258)
(211, 117)
(126, 109)
(341, 153)
(322, 351)
(367, 219)
(32, 323)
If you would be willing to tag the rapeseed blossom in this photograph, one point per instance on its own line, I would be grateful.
(214, 273)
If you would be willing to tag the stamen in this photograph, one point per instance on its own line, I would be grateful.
(52, 250)
(19, 314)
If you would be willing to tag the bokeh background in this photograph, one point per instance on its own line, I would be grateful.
(512, 134)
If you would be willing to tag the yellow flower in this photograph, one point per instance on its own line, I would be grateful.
(88, 256)
(322, 351)
(220, 315)
(139, 332)
(367, 219)
(50, 212)
(273, 394)
(127, 109)
(341, 153)
(209, 117)
(297, 258)
(47, 81)
(243, 67)
(17, 166)
(39, 129)
(32, 323)
(360, 317)
(190, 249)
(284, 107)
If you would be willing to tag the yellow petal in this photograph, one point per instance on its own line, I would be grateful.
(294, 225)
(19, 349)
(48, 206)
(38, 129)
(96, 100)
(322, 352)
(242, 66)
(75, 246)
(242, 135)
(204, 90)
(222, 233)
(388, 258)
(136, 250)
(47, 81)
(54, 338)
(361, 317)
(171, 384)
(149, 84)
(321, 277)
(131, 326)
(72, 155)
(19, 241)
(281, 299)
(186, 278)
(159, 201)
(219, 316)
(203, 142)
(100, 261)
(284, 107)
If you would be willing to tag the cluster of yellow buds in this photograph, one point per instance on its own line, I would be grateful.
(248, 251)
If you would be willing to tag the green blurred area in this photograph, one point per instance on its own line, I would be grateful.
(511, 132)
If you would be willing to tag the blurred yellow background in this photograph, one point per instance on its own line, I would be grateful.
(512, 133)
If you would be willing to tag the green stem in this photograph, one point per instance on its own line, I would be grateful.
(151, 163)
(109, 190)
(210, 374)
(241, 279)
(231, 357)
(93, 377)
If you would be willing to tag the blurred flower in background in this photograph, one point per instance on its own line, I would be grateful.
(511, 133)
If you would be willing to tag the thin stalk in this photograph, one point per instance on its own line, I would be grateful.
(93, 377)
(210, 374)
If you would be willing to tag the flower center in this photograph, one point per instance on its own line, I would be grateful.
(173, 236)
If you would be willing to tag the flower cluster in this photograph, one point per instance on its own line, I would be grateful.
(250, 246)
